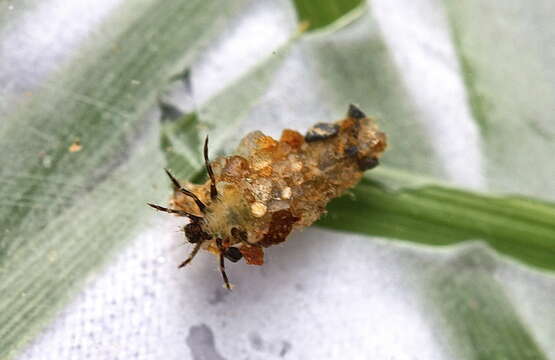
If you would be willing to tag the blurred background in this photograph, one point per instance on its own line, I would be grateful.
(446, 251)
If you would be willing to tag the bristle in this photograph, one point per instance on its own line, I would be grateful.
(173, 211)
(181, 189)
(213, 190)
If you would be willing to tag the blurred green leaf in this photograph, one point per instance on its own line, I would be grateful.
(321, 13)
(506, 52)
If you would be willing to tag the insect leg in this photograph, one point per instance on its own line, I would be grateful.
(191, 256)
(222, 264)
(213, 191)
(248, 243)
(172, 211)
(181, 189)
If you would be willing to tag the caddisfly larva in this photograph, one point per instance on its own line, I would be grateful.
(256, 197)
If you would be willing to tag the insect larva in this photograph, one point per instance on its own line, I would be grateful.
(256, 197)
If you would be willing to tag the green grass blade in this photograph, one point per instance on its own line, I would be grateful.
(519, 227)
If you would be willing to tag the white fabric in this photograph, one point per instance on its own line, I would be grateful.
(317, 297)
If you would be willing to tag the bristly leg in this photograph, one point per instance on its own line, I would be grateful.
(172, 211)
(213, 191)
(191, 256)
(181, 189)
(222, 264)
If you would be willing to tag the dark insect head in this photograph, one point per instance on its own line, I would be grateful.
(194, 232)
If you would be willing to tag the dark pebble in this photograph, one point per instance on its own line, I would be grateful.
(321, 131)
(351, 151)
(368, 163)
(355, 113)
